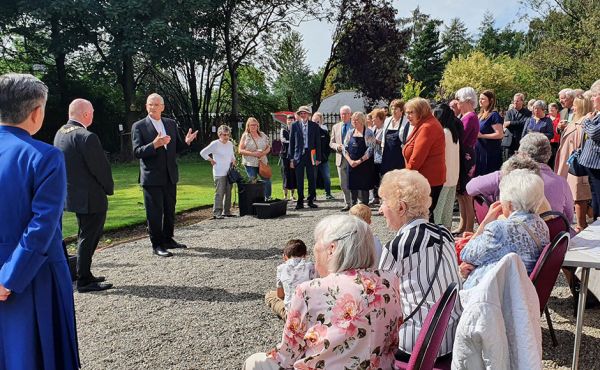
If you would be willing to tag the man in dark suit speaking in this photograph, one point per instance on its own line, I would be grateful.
(89, 181)
(156, 143)
(304, 152)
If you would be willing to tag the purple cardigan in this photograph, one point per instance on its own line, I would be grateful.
(556, 189)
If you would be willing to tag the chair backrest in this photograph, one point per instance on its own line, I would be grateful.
(481, 206)
(548, 266)
(432, 333)
(557, 223)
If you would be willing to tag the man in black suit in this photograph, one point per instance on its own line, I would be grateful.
(305, 153)
(156, 143)
(89, 181)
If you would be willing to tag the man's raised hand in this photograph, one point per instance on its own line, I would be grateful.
(191, 136)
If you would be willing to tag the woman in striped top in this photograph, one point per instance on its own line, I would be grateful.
(414, 253)
(590, 155)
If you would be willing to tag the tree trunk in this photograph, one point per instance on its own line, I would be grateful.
(128, 85)
(59, 62)
(231, 65)
(192, 85)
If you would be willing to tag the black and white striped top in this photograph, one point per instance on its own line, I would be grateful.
(413, 254)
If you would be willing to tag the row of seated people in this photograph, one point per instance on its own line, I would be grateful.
(364, 312)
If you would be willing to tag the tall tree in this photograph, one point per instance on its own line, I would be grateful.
(488, 42)
(493, 41)
(292, 85)
(455, 39)
(425, 57)
(415, 22)
(371, 50)
(251, 26)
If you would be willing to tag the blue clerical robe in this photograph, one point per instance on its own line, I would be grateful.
(37, 321)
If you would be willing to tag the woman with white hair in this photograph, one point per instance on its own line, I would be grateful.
(346, 318)
(537, 147)
(522, 231)
(467, 102)
(590, 154)
(422, 254)
(221, 156)
(539, 122)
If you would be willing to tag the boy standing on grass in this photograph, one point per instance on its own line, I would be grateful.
(295, 270)
(363, 212)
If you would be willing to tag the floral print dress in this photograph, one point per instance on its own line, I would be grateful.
(346, 320)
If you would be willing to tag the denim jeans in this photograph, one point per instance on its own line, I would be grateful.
(323, 170)
(253, 174)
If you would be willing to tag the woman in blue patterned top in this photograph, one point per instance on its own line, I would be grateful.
(522, 231)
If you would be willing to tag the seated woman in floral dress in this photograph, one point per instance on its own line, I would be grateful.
(347, 319)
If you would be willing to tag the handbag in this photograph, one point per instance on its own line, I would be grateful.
(576, 168)
(233, 175)
(264, 170)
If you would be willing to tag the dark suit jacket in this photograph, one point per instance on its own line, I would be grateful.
(564, 114)
(89, 178)
(296, 148)
(157, 166)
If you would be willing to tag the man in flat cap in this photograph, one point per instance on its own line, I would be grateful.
(304, 152)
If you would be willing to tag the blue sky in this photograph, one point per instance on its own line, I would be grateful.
(317, 35)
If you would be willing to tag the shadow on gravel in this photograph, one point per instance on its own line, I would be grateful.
(114, 265)
(566, 338)
(235, 254)
(184, 293)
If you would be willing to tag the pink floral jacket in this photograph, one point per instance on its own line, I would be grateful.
(345, 320)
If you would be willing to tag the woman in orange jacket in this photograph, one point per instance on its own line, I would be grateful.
(425, 148)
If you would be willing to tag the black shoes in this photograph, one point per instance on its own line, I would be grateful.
(93, 287)
(97, 279)
(161, 252)
(173, 245)
(299, 206)
(345, 209)
(312, 205)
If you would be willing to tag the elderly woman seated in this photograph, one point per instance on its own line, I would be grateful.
(556, 189)
(348, 318)
(522, 232)
(488, 185)
(422, 254)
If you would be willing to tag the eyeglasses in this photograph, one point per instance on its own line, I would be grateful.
(409, 112)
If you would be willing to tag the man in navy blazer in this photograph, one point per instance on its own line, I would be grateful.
(304, 152)
(156, 143)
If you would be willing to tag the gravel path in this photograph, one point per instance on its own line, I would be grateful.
(204, 309)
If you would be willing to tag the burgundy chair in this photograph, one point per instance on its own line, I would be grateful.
(557, 223)
(431, 335)
(545, 273)
(481, 206)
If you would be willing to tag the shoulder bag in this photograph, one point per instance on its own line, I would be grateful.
(576, 168)
(264, 170)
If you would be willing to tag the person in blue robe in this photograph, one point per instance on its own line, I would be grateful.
(37, 313)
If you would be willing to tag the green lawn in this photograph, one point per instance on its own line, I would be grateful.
(195, 189)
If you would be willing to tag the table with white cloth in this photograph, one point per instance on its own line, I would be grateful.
(584, 253)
